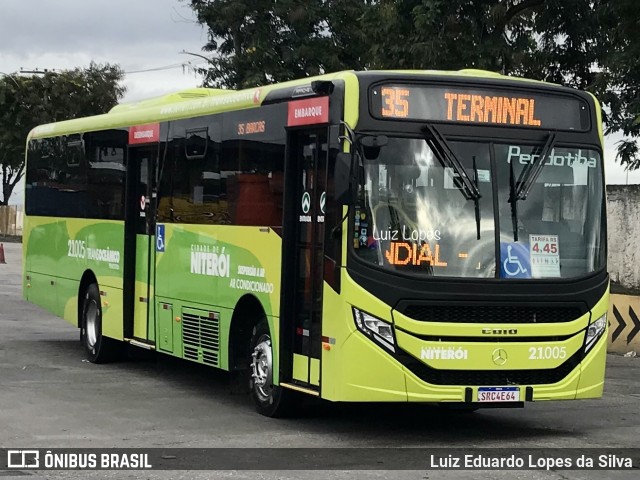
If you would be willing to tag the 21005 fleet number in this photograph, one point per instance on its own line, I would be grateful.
(76, 248)
(547, 353)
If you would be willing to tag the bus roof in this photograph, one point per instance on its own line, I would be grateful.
(203, 101)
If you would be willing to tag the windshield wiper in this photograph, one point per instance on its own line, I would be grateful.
(520, 190)
(445, 155)
(513, 200)
(476, 200)
(531, 172)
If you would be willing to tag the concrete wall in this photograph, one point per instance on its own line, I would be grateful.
(623, 224)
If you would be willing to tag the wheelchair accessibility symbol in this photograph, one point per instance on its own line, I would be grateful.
(514, 260)
(159, 238)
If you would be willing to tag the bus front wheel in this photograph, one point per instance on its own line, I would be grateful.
(99, 349)
(270, 400)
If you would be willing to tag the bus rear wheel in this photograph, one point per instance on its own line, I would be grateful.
(270, 400)
(99, 349)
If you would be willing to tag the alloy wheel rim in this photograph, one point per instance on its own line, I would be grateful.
(91, 322)
(262, 368)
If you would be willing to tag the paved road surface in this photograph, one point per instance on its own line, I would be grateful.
(51, 397)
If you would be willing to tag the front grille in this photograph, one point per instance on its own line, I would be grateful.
(490, 314)
(201, 337)
(489, 377)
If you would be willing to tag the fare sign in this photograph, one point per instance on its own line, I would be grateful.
(545, 256)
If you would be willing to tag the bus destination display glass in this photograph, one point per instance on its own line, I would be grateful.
(479, 105)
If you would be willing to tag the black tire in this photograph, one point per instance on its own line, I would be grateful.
(270, 400)
(99, 349)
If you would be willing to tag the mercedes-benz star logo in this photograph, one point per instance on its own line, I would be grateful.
(499, 356)
(306, 202)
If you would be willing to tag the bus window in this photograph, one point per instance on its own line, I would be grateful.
(189, 190)
(106, 173)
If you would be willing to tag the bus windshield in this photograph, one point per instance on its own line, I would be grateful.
(415, 216)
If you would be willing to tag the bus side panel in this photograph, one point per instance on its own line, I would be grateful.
(58, 252)
(112, 308)
(592, 368)
(41, 244)
(592, 372)
(41, 291)
(210, 268)
(372, 373)
(67, 293)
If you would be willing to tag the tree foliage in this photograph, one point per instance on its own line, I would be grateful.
(619, 83)
(28, 101)
(587, 44)
(256, 42)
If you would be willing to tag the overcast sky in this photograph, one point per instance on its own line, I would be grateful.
(137, 35)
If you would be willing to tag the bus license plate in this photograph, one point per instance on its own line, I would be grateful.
(498, 394)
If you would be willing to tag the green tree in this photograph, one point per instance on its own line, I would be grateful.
(28, 101)
(618, 83)
(587, 44)
(255, 42)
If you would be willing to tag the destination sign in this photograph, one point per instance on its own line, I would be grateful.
(479, 105)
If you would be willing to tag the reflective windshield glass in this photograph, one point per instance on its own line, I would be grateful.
(556, 231)
(414, 215)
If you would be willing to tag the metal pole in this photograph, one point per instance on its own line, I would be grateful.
(184, 52)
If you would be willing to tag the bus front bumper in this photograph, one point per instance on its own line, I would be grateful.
(379, 377)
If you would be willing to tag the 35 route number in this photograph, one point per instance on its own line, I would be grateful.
(395, 102)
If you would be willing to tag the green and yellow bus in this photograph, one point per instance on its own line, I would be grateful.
(387, 236)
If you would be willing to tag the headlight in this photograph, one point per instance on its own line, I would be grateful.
(378, 330)
(594, 332)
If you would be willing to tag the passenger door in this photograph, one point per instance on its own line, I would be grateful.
(139, 231)
(303, 254)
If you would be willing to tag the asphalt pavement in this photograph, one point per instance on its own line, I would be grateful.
(52, 397)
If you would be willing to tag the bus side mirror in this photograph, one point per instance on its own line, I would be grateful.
(371, 145)
(342, 177)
